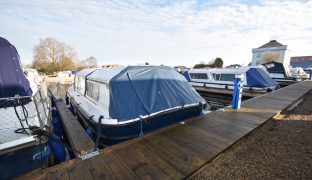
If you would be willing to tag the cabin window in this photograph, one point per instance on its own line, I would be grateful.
(79, 83)
(199, 76)
(216, 76)
(227, 77)
(93, 90)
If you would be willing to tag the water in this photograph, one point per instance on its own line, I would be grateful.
(58, 89)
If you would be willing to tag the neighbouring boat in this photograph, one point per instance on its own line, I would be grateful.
(279, 73)
(133, 100)
(255, 79)
(21, 108)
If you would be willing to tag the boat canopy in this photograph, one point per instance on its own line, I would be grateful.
(258, 77)
(12, 79)
(142, 90)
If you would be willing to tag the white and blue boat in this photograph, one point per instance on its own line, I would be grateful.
(22, 109)
(255, 79)
(279, 73)
(130, 101)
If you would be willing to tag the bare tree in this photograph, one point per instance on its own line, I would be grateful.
(52, 55)
(271, 57)
(90, 62)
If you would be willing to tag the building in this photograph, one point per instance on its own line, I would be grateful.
(301, 61)
(271, 51)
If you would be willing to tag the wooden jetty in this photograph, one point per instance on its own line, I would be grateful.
(223, 96)
(181, 150)
(77, 136)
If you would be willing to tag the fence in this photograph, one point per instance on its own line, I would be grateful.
(17, 114)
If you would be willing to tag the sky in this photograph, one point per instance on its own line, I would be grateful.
(159, 31)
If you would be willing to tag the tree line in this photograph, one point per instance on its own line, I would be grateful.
(51, 55)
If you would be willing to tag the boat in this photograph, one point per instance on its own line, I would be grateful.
(127, 102)
(216, 84)
(299, 73)
(21, 109)
(279, 73)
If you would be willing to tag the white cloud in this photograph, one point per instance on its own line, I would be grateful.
(178, 33)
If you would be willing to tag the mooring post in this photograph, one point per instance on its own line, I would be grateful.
(237, 91)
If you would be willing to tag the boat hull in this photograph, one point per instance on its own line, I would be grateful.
(113, 134)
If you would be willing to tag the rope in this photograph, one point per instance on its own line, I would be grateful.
(141, 133)
(21, 130)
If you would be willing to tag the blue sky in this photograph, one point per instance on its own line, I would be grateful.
(158, 31)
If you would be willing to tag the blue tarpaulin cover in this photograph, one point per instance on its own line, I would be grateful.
(12, 79)
(257, 77)
(144, 90)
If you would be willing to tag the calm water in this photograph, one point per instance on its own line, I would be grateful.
(58, 89)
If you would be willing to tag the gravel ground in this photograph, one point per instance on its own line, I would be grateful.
(280, 149)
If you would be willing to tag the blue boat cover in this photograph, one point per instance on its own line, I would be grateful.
(258, 77)
(12, 79)
(144, 90)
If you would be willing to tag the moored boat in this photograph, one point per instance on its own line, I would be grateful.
(127, 102)
(256, 80)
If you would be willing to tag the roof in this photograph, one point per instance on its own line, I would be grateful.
(272, 43)
(105, 74)
(301, 61)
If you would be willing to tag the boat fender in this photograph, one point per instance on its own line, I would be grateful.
(90, 133)
(57, 149)
(54, 113)
(57, 126)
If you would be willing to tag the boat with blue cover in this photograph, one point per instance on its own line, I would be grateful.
(130, 101)
(279, 73)
(21, 109)
(216, 84)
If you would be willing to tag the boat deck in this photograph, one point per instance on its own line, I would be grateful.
(180, 150)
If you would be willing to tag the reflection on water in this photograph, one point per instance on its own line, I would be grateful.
(58, 89)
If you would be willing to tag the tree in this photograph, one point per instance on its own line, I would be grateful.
(90, 62)
(216, 63)
(271, 57)
(52, 55)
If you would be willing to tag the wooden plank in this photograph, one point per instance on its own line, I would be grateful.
(99, 169)
(77, 136)
(178, 156)
(146, 164)
(118, 166)
(58, 174)
(79, 171)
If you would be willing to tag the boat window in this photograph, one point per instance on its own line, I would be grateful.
(227, 77)
(93, 90)
(216, 76)
(78, 82)
(199, 76)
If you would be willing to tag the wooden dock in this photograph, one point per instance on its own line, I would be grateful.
(180, 150)
(76, 135)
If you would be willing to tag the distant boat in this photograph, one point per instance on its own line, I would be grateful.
(216, 84)
(279, 73)
(131, 101)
